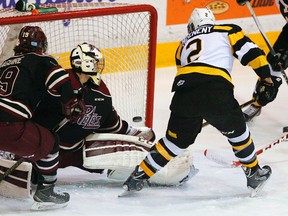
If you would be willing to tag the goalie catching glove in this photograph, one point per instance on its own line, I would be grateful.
(266, 92)
(74, 109)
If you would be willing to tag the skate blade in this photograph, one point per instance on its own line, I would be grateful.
(255, 191)
(126, 193)
(42, 206)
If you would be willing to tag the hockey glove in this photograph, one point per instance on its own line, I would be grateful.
(242, 2)
(74, 109)
(278, 61)
(145, 132)
(265, 92)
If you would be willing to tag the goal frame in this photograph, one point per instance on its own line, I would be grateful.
(22, 19)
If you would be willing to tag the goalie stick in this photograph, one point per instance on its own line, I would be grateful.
(11, 169)
(241, 106)
(265, 38)
(217, 158)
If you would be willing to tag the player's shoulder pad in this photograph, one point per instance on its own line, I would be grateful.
(102, 88)
(74, 79)
(230, 28)
(45, 59)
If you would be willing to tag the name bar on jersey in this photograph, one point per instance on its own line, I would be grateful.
(201, 30)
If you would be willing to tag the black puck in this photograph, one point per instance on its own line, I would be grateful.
(137, 119)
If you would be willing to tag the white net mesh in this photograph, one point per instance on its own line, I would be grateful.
(123, 38)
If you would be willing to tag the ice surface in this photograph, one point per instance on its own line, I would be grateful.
(214, 191)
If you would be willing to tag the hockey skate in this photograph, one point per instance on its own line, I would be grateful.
(46, 197)
(251, 112)
(257, 180)
(135, 182)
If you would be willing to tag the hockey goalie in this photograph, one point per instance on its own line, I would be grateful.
(101, 141)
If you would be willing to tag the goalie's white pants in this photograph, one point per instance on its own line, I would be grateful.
(121, 153)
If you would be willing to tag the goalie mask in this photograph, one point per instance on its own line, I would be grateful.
(88, 59)
(199, 17)
(32, 38)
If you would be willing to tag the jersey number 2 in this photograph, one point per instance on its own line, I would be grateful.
(198, 47)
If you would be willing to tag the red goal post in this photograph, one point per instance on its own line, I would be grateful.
(125, 33)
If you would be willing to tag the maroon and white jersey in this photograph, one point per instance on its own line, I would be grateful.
(100, 114)
(24, 80)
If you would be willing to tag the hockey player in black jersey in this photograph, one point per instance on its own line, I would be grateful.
(24, 79)
(204, 90)
(281, 58)
(101, 117)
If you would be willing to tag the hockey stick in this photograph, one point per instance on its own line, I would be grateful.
(21, 160)
(241, 106)
(220, 160)
(11, 169)
(60, 125)
(265, 38)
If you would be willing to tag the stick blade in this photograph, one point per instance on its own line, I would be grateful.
(216, 157)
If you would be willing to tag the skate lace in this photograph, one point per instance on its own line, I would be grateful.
(262, 174)
(58, 193)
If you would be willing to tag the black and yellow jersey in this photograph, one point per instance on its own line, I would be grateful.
(281, 44)
(208, 52)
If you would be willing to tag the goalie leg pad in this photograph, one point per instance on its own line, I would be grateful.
(179, 170)
(17, 184)
(114, 152)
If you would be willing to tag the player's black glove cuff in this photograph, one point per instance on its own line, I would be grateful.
(278, 61)
(242, 2)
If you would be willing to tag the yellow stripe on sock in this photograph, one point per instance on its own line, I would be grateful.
(163, 152)
(148, 171)
(251, 164)
(245, 145)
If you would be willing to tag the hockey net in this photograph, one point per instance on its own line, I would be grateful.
(125, 33)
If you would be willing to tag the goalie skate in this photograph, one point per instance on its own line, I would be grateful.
(251, 112)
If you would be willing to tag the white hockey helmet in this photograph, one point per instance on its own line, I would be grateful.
(88, 59)
(199, 17)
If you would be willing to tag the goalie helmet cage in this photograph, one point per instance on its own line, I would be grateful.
(125, 33)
